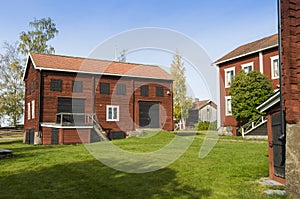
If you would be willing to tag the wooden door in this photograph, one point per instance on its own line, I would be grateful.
(149, 115)
(278, 145)
(29, 137)
(54, 136)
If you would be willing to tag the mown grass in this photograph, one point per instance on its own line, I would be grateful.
(231, 170)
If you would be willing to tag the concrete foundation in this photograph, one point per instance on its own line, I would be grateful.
(292, 170)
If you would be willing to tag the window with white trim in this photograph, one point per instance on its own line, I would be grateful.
(274, 67)
(28, 111)
(112, 113)
(229, 75)
(228, 108)
(248, 67)
(32, 109)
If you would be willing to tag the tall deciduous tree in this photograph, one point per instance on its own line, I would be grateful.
(248, 90)
(181, 102)
(35, 40)
(11, 83)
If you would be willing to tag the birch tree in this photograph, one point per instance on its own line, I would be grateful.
(181, 103)
(36, 39)
(11, 83)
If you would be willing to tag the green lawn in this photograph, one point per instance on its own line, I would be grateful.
(231, 170)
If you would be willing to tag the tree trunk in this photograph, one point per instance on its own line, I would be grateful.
(183, 123)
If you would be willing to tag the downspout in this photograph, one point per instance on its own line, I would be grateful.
(280, 69)
(40, 105)
(133, 107)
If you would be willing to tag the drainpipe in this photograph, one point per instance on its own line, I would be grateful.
(40, 106)
(280, 70)
(133, 108)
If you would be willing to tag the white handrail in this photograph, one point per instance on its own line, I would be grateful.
(250, 126)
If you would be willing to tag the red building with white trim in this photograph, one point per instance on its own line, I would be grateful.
(260, 55)
(68, 98)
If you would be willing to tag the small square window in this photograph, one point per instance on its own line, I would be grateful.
(56, 85)
(159, 91)
(112, 113)
(121, 89)
(77, 86)
(247, 67)
(104, 88)
(144, 90)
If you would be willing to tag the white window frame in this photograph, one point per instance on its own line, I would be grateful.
(246, 65)
(28, 111)
(226, 107)
(227, 83)
(272, 66)
(32, 109)
(114, 117)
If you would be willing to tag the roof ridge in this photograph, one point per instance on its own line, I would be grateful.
(95, 59)
(259, 40)
(249, 48)
(96, 66)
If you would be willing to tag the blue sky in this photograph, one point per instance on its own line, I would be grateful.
(217, 26)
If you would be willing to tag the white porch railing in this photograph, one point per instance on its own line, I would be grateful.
(70, 119)
(250, 126)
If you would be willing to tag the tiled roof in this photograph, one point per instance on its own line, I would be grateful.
(250, 48)
(95, 66)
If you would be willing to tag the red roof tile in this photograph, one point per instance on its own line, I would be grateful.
(86, 65)
(250, 48)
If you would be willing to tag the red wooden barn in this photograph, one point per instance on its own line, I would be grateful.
(74, 100)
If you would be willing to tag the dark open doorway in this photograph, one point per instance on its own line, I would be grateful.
(149, 114)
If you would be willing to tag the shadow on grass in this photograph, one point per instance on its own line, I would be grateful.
(91, 179)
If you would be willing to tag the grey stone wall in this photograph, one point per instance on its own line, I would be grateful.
(292, 170)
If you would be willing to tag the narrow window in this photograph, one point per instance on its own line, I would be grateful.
(104, 88)
(56, 85)
(275, 67)
(112, 113)
(77, 86)
(228, 107)
(121, 89)
(159, 91)
(144, 90)
(229, 75)
(28, 111)
(32, 109)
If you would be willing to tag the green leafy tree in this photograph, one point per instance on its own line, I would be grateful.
(248, 90)
(182, 103)
(11, 83)
(35, 40)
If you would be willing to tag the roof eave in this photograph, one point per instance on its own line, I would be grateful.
(26, 65)
(274, 99)
(108, 74)
(236, 57)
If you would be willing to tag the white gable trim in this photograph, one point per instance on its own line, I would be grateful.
(274, 99)
(236, 57)
(26, 65)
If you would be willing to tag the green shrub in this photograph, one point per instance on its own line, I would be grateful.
(204, 126)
